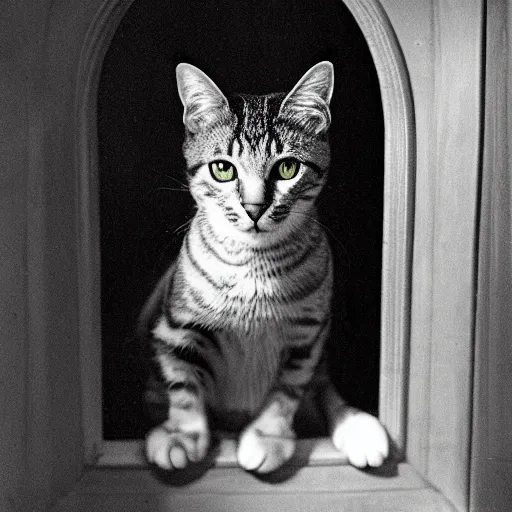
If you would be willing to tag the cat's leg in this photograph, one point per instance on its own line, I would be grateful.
(357, 434)
(269, 440)
(184, 436)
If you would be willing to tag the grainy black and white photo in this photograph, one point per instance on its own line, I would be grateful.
(256, 255)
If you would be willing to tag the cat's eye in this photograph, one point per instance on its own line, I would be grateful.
(222, 170)
(285, 169)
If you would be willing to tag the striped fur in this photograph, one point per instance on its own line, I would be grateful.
(239, 322)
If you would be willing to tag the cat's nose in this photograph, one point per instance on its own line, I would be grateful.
(254, 210)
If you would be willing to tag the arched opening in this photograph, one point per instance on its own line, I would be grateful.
(155, 43)
(258, 49)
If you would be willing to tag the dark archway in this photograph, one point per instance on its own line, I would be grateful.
(250, 47)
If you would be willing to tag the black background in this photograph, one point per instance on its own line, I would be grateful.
(244, 46)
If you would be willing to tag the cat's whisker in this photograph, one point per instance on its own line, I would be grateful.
(325, 227)
(176, 231)
(168, 176)
(164, 189)
(183, 226)
(173, 189)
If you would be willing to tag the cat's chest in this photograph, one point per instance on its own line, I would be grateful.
(248, 273)
(222, 288)
(243, 283)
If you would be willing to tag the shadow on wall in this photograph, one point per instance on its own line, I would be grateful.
(252, 47)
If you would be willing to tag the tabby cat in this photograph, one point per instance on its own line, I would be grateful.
(237, 325)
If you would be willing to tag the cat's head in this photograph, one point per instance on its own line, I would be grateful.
(256, 163)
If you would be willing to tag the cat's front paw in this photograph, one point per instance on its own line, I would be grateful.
(171, 447)
(264, 452)
(361, 437)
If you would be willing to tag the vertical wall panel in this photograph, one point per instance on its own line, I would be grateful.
(458, 60)
(13, 139)
(41, 444)
(491, 475)
(447, 91)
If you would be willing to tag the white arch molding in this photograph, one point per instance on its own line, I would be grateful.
(397, 228)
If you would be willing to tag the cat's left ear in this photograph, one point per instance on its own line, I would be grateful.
(203, 101)
(308, 103)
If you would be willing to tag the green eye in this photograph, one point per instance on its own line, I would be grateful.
(222, 171)
(286, 169)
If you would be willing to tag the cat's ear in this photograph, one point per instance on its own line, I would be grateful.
(308, 102)
(203, 101)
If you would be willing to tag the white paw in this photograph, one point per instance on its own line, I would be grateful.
(361, 438)
(262, 452)
(170, 448)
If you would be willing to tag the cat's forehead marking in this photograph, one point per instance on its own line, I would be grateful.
(253, 135)
(255, 121)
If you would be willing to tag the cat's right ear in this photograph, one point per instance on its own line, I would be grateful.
(203, 101)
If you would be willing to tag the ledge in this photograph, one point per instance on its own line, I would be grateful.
(308, 488)
(317, 479)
